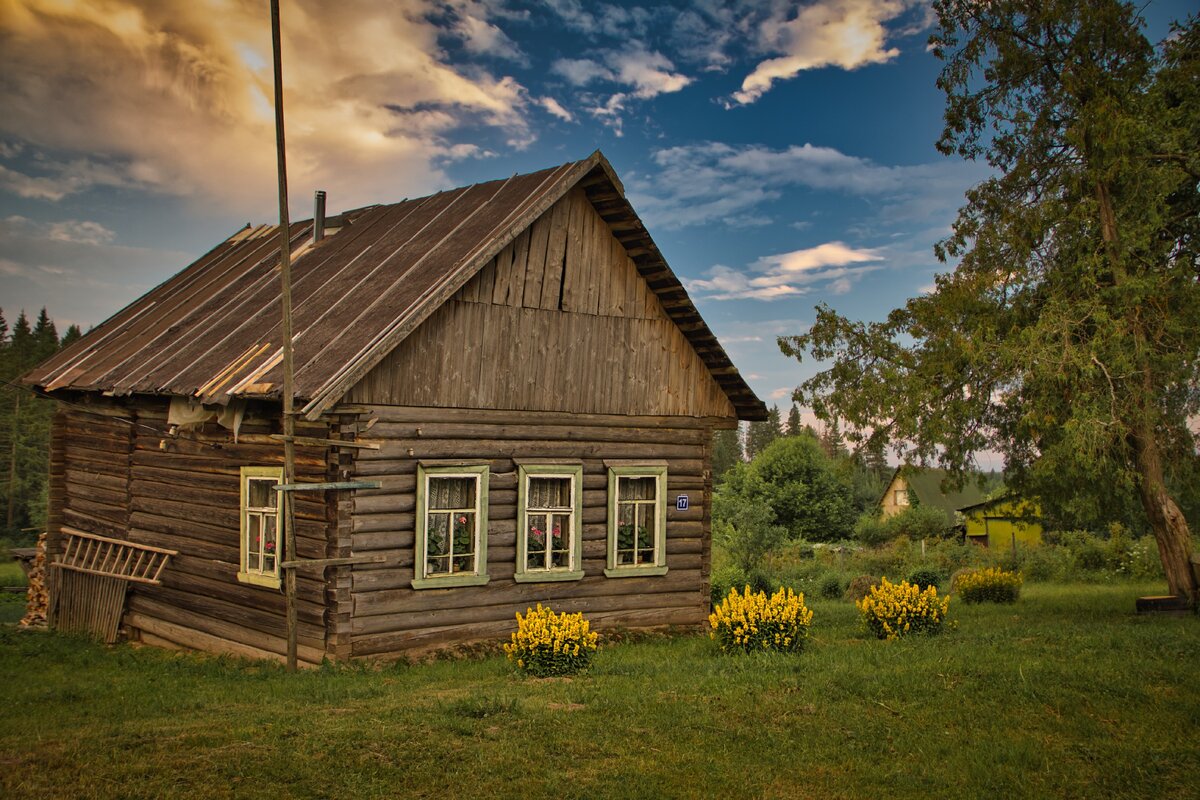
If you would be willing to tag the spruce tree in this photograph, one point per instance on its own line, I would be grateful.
(727, 451)
(794, 425)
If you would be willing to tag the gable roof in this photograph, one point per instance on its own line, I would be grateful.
(212, 331)
(926, 484)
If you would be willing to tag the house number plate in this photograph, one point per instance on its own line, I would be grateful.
(681, 503)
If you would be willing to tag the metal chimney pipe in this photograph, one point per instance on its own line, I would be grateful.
(319, 216)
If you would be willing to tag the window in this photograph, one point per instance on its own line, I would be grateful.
(451, 526)
(637, 519)
(549, 503)
(260, 543)
(902, 497)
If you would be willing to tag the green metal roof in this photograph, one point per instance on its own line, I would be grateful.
(927, 485)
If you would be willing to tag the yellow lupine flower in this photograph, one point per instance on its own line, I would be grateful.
(746, 620)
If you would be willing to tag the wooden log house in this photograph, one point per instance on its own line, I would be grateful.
(511, 367)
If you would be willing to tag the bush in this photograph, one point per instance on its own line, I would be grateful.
(860, 587)
(918, 522)
(745, 529)
(831, 587)
(752, 622)
(723, 579)
(871, 530)
(892, 610)
(991, 585)
(726, 579)
(924, 577)
(546, 643)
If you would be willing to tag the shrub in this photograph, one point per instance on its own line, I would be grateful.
(892, 610)
(722, 581)
(991, 585)
(918, 522)
(924, 577)
(546, 643)
(751, 622)
(831, 587)
(860, 587)
(745, 529)
(871, 530)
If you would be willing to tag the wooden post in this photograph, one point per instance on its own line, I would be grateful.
(285, 276)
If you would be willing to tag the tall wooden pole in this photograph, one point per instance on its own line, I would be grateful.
(289, 419)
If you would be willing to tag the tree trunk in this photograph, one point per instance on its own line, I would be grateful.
(1166, 520)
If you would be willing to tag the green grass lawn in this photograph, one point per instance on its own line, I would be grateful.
(1066, 694)
(11, 573)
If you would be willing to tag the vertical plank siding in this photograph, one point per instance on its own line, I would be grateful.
(560, 320)
(391, 618)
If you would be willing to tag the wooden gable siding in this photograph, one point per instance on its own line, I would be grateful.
(560, 320)
(390, 617)
(138, 482)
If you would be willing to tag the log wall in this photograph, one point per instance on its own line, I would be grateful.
(130, 478)
(391, 618)
(560, 320)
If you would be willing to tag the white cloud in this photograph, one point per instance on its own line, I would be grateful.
(839, 33)
(603, 18)
(482, 37)
(41, 259)
(177, 98)
(649, 73)
(581, 71)
(641, 74)
(780, 393)
(553, 107)
(81, 231)
(790, 274)
(715, 182)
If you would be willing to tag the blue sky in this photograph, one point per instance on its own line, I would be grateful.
(780, 153)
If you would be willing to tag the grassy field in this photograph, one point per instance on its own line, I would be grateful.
(1066, 694)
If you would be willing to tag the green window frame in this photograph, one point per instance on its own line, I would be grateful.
(634, 551)
(261, 543)
(538, 519)
(451, 528)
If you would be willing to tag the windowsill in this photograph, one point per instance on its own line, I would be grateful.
(254, 579)
(635, 572)
(548, 576)
(449, 581)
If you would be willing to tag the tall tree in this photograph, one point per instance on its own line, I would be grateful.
(73, 333)
(45, 338)
(727, 451)
(1067, 336)
(800, 484)
(761, 434)
(794, 425)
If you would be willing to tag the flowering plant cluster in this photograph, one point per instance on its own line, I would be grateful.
(991, 585)
(892, 610)
(547, 643)
(751, 621)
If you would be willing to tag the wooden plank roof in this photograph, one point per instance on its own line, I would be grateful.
(212, 331)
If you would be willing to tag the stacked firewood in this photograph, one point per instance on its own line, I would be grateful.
(38, 597)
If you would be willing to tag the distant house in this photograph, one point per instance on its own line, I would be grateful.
(1003, 521)
(508, 388)
(912, 486)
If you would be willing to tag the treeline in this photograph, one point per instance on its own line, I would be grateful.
(25, 423)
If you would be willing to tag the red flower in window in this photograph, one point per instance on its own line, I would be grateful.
(462, 520)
